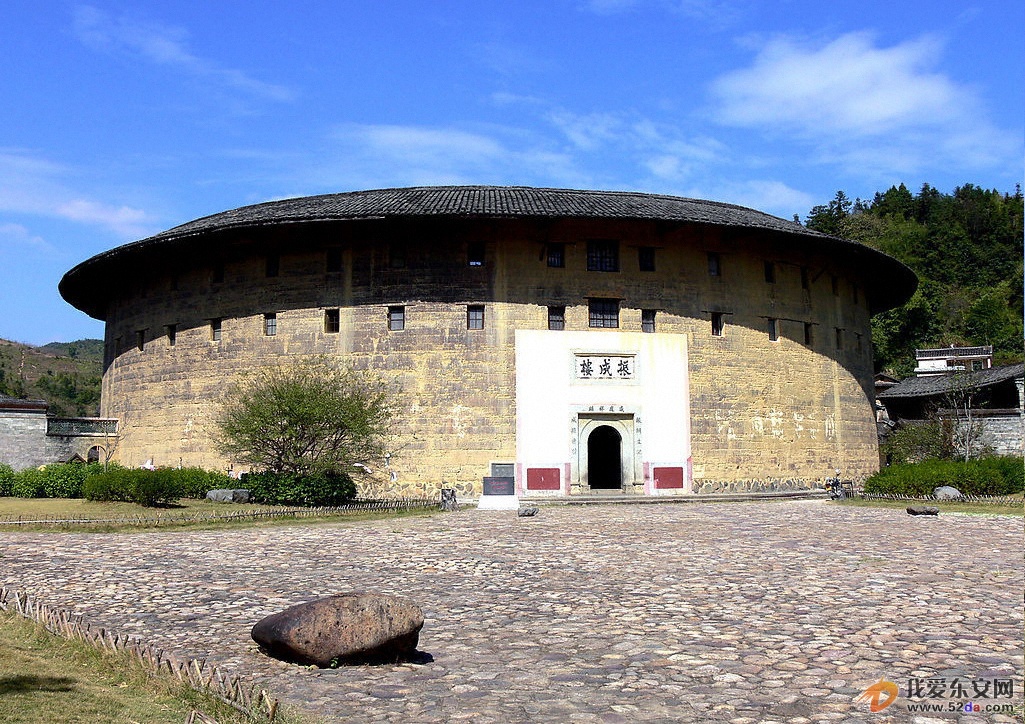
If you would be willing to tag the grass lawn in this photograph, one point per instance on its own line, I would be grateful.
(45, 678)
(945, 506)
(82, 508)
(128, 515)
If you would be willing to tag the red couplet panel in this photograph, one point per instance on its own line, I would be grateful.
(543, 479)
(668, 478)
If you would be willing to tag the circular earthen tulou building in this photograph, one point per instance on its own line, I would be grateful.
(575, 341)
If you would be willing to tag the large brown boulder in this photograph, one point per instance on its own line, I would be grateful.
(347, 628)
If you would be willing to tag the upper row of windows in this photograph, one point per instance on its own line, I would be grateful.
(602, 256)
(603, 313)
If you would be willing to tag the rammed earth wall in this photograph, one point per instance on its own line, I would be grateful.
(794, 408)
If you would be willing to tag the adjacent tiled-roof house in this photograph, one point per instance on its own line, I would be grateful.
(996, 397)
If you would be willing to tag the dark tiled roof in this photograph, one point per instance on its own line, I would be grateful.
(84, 285)
(486, 202)
(16, 403)
(942, 384)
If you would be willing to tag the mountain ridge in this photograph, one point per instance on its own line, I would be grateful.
(67, 375)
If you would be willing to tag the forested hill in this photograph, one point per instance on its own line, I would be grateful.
(966, 248)
(65, 374)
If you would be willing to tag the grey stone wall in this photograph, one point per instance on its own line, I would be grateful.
(24, 442)
(23, 438)
(1003, 434)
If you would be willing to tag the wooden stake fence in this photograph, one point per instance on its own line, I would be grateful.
(359, 506)
(983, 499)
(254, 703)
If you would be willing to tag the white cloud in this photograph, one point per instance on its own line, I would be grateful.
(590, 150)
(847, 85)
(124, 220)
(662, 151)
(167, 46)
(16, 239)
(714, 14)
(589, 131)
(503, 98)
(429, 146)
(772, 197)
(365, 156)
(508, 58)
(856, 102)
(30, 185)
(609, 7)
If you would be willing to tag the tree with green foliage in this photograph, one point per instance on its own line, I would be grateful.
(307, 417)
(966, 249)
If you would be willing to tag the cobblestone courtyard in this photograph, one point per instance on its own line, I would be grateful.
(733, 612)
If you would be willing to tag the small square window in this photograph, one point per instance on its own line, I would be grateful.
(603, 313)
(215, 330)
(333, 262)
(603, 255)
(556, 318)
(273, 265)
(140, 339)
(270, 324)
(397, 256)
(475, 254)
(172, 334)
(556, 253)
(648, 320)
(808, 336)
(773, 329)
(718, 324)
(770, 272)
(714, 264)
(475, 316)
(332, 321)
(646, 258)
(396, 318)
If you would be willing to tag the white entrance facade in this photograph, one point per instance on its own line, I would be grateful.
(602, 412)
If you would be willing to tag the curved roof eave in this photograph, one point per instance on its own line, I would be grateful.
(494, 202)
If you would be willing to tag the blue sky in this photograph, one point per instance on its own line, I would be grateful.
(122, 119)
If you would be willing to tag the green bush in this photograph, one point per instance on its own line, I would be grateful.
(988, 476)
(918, 441)
(29, 483)
(149, 488)
(1011, 470)
(6, 480)
(113, 485)
(327, 489)
(57, 480)
(197, 482)
(153, 488)
(64, 480)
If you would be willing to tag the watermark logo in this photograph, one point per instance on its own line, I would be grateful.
(875, 694)
(883, 693)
